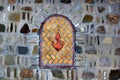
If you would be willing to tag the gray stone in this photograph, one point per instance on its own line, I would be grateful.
(117, 51)
(9, 59)
(91, 50)
(87, 18)
(87, 75)
(1, 39)
(15, 16)
(22, 50)
(2, 28)
(104, 62)
(57, 73)
(1, 59)
(101, 9)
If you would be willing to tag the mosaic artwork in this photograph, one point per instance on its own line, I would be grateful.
(57, 42)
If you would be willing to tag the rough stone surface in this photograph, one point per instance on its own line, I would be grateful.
(101, 29)
(86, 75)
(114, 74)
(1, 8)
(1, 39)
(65, 1)
(89, 1)
(11, 1)
(2, 28)
(27, 8)
(9, 59)
(35, 50)
(91, 50)
(22, 50)
(1, 60)
(101, 9)
(78, 49)
(38, 1)
(26, 73)
(25, 29)
(57, 73)
(104, 62)
(87, 19)
(113, 18)
(14, 16)
(107, 40)
(117, 51)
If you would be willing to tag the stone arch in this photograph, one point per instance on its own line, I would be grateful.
(57, 42)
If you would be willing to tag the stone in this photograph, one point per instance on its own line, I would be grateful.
(113, 18)
(87, 19)
(57, 73)
(25, 29)
(113, 1)
(11, 1)
(101, 29)
(91, 50)
(38, 1)
(9, 59)
(78, 49)
(114, 74)
(1, 8)
(104, 61)
(22, 50)
(89, 1)
(15, 16)
(117, 51)
(26, 73)
(107, 40)
(118, 31)
(65, 1)
(11, 39)
(1, 73)
(35, 30)
(101, 9)
(1, 60)
(2, 28)
(27, 8)
(1, 39)
(35, 50)
(87, 75)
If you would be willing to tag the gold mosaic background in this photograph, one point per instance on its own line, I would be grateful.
(49, 54)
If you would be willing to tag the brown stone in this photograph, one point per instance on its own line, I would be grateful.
(27, 8)
(25, 29)
(119, 31)
(35, 30)
(117, 51)
(113, 1)
(26, 73)
(11, 1)
(38, 1)
(101, 9)
(113, 18)
(101, 29)
(87, 19)
(89, 1)
(35, 50)
(14, 16)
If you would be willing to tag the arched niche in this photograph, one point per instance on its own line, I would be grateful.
(57, 42)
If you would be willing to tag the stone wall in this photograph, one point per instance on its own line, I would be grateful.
(97, 24)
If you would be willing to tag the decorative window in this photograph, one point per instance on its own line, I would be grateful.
(57, 42)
